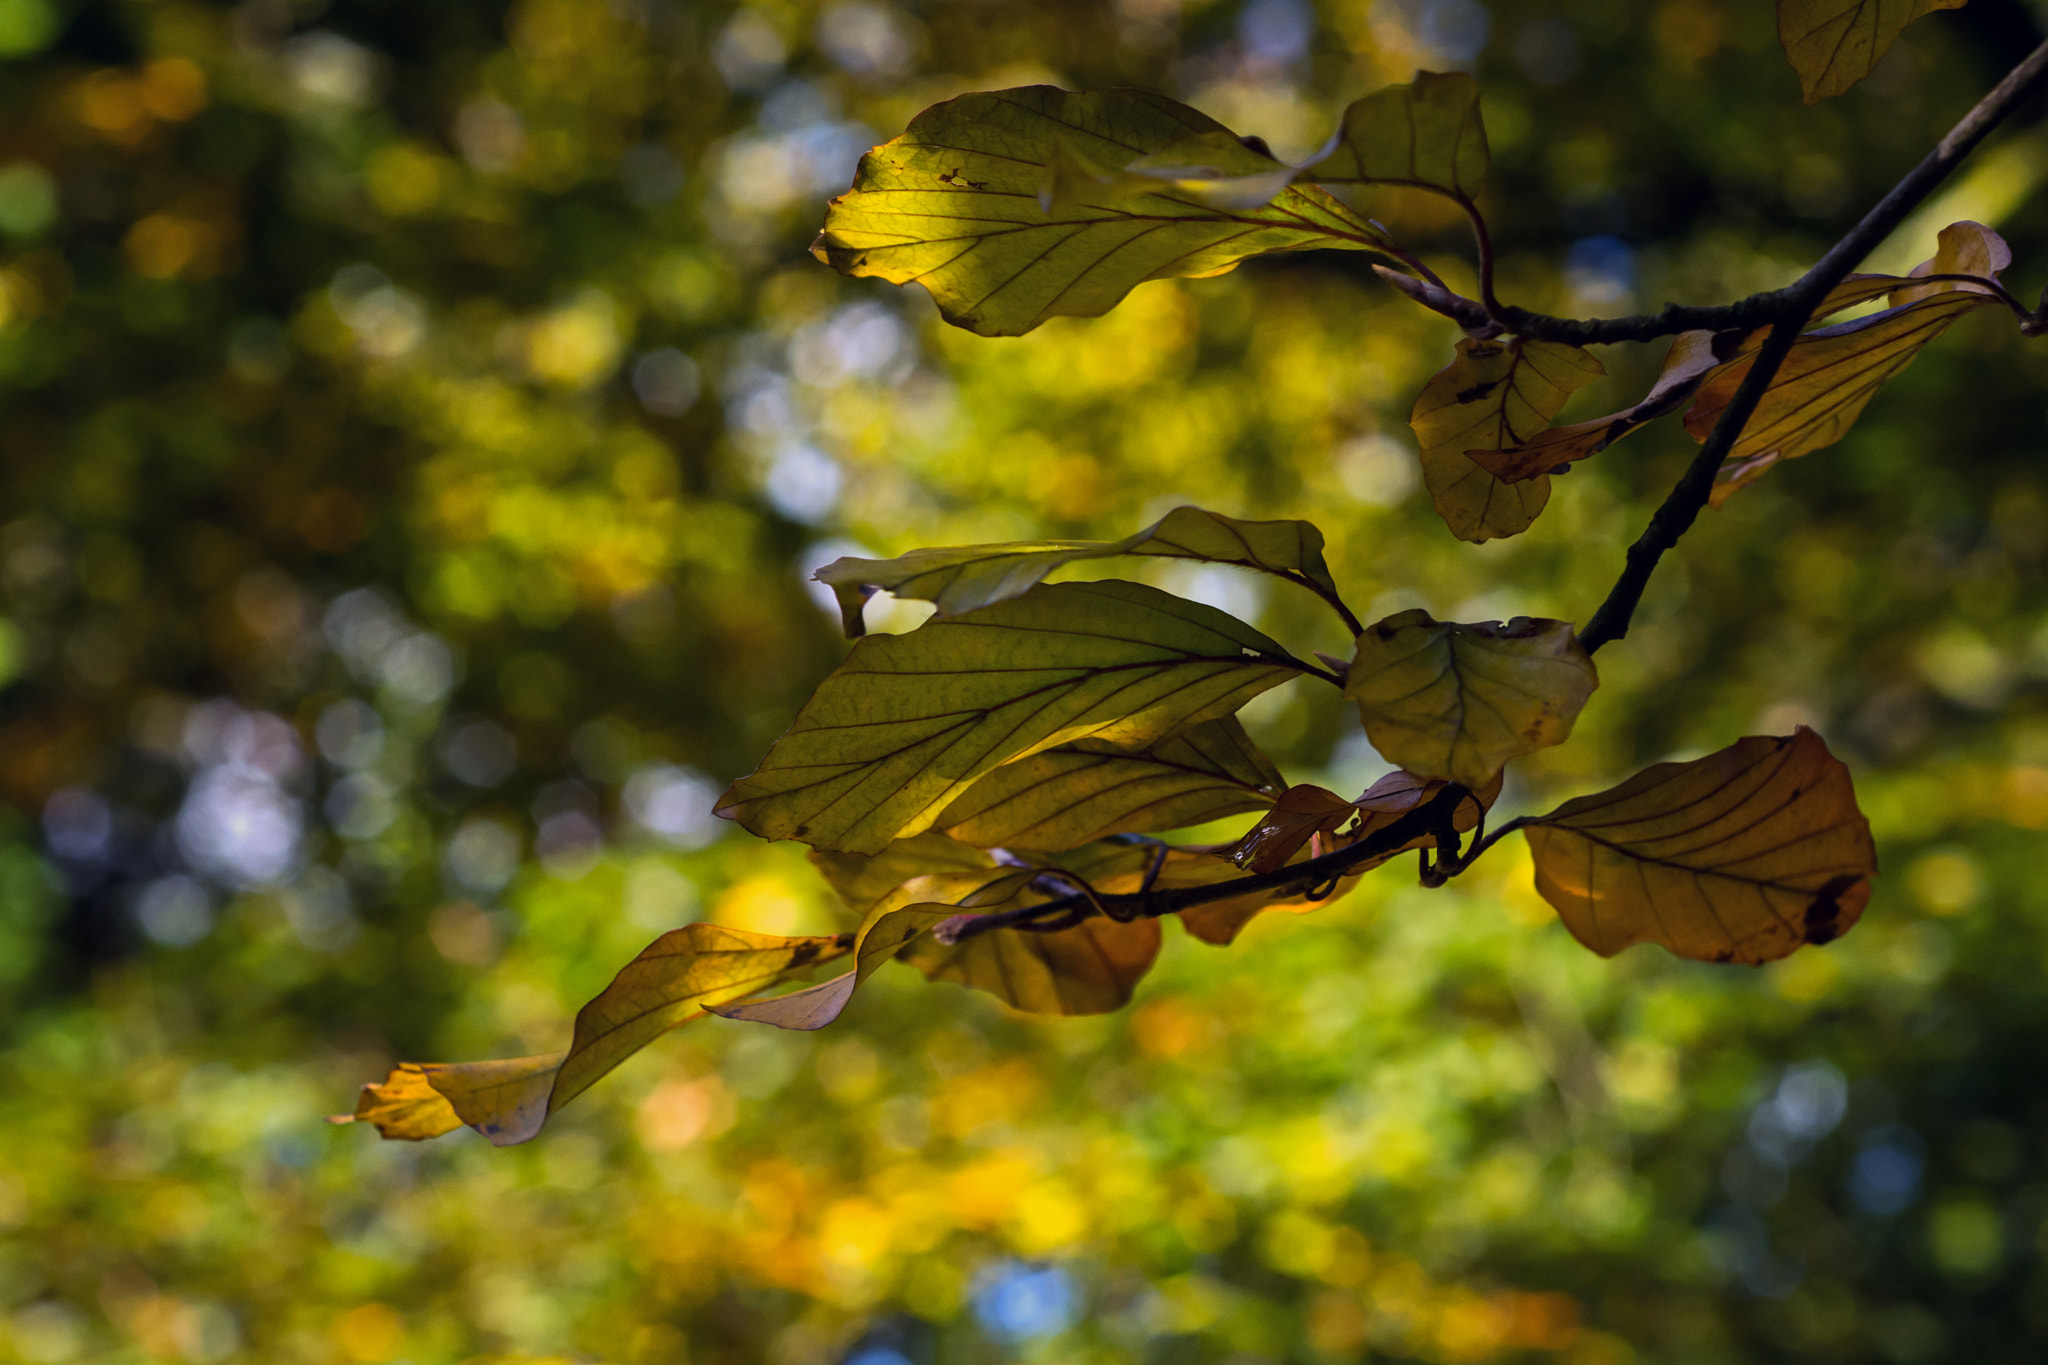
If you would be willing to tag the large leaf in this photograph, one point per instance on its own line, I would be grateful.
(909, 722)
(1080, 792)
(1493, 395)
(865, 880)
(1457, 702)
(1832, 372)
(1832, 44)
(959, 204)
(1427, 134)
(1741, 856)
(668, 984)
(961, 578)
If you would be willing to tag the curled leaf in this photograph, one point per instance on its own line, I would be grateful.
(961, 578)
(1427, 133)
(909, 722)
(1015, 206)
(671, 982)
(1492, 396)
(1741, 856)
(1832, 44)
(1090, 968)
(1458, 701)
(1307, 811)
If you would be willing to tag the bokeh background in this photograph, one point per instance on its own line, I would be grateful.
(417, 422)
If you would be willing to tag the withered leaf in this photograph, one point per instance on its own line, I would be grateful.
(1493, 395)
(1307, 811)
(1741, 856)
(1457, 702)
(1832, 44)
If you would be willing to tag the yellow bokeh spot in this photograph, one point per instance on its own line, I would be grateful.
(1806, 976)
(370, 1333)
(576, 346)
(166, 245)
(406, 179)
(2025, 795)
(1946, 881)
(172, 89)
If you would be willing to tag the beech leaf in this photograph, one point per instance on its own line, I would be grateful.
(1090, 968)
(669, 983)
(1015, 206)
(1427, 133)
(1075, 794)
(1457, 702)
(1832, 44)
(1493, 395)
(963, 577)
(1307, 811)
(1741, 856)
(908, 722)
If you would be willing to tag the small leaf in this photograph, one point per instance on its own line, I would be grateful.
(1458, 701)
(1081, 792)
(669, 983)
(1303, 812)
(1427, 133)
(961, 578)
(1494, 395)
(957, 204)
(909, 722)
(1740, 856)
(1832, 372)
(1832, 44)
(1307, 811)
(1090, 968)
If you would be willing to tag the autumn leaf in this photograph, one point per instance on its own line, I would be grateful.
(1493, 395)
(1090, 968)
(1427, 134)
(909, 722)
(865, 880)
(1301, 813)
(1306, 811)
(669, 983)
(1015, 206)
(1741, 856)
(961, 578)
(1832, 372)
(1832, 44)
(1458, 701)
(1065, 797)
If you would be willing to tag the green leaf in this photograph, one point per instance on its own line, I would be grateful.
(1427, 133)
(670, 983)
(909, 722)
(962, 577)
(1493, 395)
(1088, 790)
(1459, 701)
(1832, 44)
(959, 205)
(865, 880)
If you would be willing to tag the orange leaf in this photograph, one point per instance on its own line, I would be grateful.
(1741, 856)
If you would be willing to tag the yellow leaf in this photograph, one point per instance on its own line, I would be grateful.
(1832, 44)
(1741, 856)
(1493, 395)
(1427, 133)
(909, 722)
(1081, 792)
(961, 578)
(1458, 701)
(959, 204)
(668, 984)
(865, 880)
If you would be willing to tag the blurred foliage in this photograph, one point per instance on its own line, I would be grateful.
(416, 425)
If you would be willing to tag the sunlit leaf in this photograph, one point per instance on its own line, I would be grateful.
(1088, 790)
(1458, 701)
(1831, 372)
(1741, 856)
(959, 205)
(669, 983)
(1832, 44)
(909, 722)
(1216, 168)
(961, 578)
(1495, 394)
(1427, 133)
(1090, 968)
(865, 880)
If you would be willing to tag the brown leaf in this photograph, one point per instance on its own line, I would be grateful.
(1090, 968)
(1493, 395)
(1832, 44)
(1741, 856)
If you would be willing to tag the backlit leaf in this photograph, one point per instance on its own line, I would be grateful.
(1495, 394)
(1090, 968)
(1832, 44)
(1458, 701)
(1831, 372)
(669, 983)
(963, 577)
(909, 722)
(864, 880)
(1427, 133)
(1088, 790)
(1307, 811)
(1740, 856)
(1014, 206)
